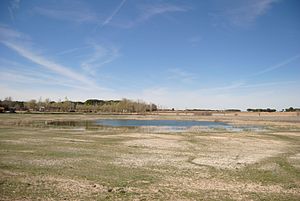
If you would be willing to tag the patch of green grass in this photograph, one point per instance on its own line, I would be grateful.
(272, 196)
(287, 174)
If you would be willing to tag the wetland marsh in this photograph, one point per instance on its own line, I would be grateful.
(84, 161)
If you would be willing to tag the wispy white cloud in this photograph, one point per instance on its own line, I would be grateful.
(31, 78)
(73, 11)
(149, 11)
(242, 13)
(7, 33)
(100, 56)
(240, 85)
(270, 84)
(118, 8)
(81, 13)
(180, 75)
(14, 72)
(19, 43)
(48, 64)
(226, 87)
(69, 51)
(146, 12)
(13, 7)
(111, 16)
(279, 65)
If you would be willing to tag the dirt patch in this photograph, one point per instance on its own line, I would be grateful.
(71, 149)
(42, 162)
(295, 160)
(26, 151)
(293, 134)
(67, 186)
(157, 152)
(7, 173)
(70, 185)
(156, 143)
(216, 151)
(196, 184)
(24, 141)
(51, 162)
(159, 160)
(274, 167)
(12, 141)
(231, 152)
(70, 140)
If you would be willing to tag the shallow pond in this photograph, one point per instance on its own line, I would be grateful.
(170, 125)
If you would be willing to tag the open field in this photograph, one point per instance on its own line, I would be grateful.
(39, 161)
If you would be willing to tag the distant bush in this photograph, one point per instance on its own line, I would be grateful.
(261, 110)
(232, 110)
(291, 109)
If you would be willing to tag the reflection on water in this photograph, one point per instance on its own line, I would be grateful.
(87, 125)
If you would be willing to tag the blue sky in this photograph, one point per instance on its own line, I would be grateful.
(181, 53)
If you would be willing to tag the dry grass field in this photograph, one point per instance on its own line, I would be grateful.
(43, 161)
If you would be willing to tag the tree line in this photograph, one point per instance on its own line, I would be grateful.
(96, 105)
(261, 110)
(88, 106)
(290, 109)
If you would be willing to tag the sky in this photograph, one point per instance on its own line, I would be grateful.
(177, 54)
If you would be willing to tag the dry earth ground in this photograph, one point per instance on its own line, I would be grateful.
(42, 162)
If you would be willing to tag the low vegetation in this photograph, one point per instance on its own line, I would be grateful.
(42, 161)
